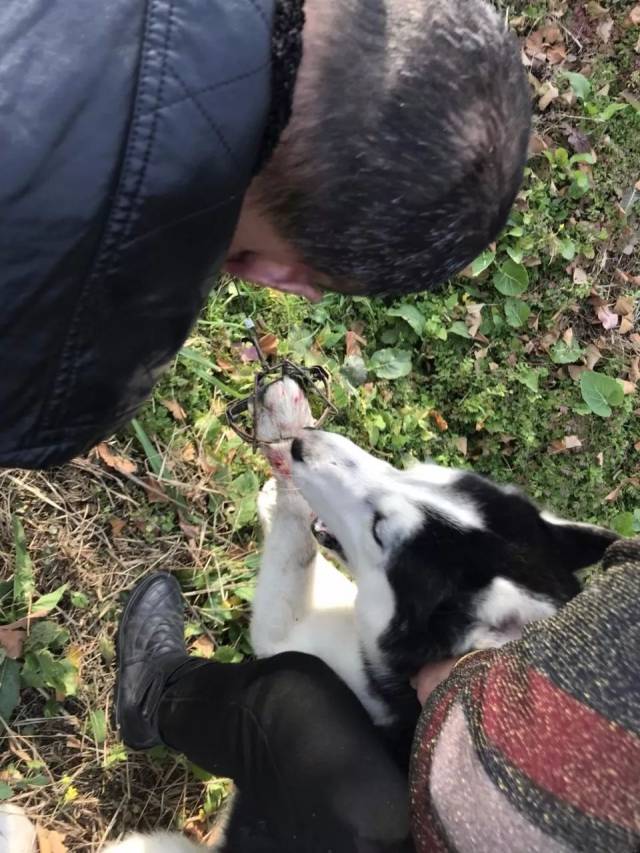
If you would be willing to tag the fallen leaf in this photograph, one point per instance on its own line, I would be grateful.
(600, 458)
(175, 408)
(592, 356)
(628, 481)
(112, 460)
(626, 325)
(575, 371)
(628, 387)
(634, 16)
(634, 370)
(203, 646)
(117, 526)
(191, 531)
(438, 420)
(353, 343)
(188, 452)
(624, 305)
(225, 365)
(567, 336)
(462, 444)
(247, 354)
(579, 276)
(604, 29)
(269, 344)
(75, 655)
(608, 319)
(50, 841)
(155, 493)
(571, 442)
(12, 640)
(550, 93)
(579, 142)
(473, 319)
(537, 144)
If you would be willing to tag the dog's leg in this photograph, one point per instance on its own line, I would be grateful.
(164, 842)
(284, 592)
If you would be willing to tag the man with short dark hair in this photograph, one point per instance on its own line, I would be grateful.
(372, 146)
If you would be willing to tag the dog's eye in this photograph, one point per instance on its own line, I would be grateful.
(378, 517)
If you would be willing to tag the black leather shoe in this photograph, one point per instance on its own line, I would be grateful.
(150, 649)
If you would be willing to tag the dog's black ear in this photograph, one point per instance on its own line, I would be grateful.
(577, 546)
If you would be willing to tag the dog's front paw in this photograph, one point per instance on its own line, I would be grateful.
(282, 412)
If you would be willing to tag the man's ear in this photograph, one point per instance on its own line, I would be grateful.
(578, 545)
(279, 275)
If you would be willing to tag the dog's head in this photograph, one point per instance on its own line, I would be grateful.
(439, 545)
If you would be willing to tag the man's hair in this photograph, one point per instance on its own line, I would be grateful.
(407, 144)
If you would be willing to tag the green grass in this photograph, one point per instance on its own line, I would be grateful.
(501, 402)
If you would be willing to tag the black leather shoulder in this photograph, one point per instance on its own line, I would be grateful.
(129, 131)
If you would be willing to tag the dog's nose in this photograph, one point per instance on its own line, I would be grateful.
(297, 450)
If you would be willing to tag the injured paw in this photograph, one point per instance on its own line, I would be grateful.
(282, 413)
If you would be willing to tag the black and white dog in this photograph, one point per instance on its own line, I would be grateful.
(440, 562)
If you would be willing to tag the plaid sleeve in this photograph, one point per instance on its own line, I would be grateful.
(536, 746)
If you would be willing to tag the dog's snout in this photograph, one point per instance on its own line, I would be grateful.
(297, 451)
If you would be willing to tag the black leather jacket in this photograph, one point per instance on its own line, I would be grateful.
(129, 130)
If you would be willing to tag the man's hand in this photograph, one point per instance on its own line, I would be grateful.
(430, 676)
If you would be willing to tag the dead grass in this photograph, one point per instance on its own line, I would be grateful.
(72, 520)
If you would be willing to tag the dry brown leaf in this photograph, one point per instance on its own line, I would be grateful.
(188, 452)
(191, 531)
(604, 29)
(557, 54)
(626, 325)
(175, 408)
(634, 16)
(473, 319)
(462, 444)
(438, 420)
(155, 493)
(550, 93)
(592, 356)
(269, 344)
(567, 336)
(624, 305)
(117, 526)
(608, 319)
(628, 481)
(353, 343)
(579, 276)
(634, 370)
(12, 640)
(628, 387)
(203, 646)
(537, 144)
(225, 365)
(575, 371)
(50, 841)
(571, 442)
(112, 460)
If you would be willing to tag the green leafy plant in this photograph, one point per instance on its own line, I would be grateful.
(31, 650)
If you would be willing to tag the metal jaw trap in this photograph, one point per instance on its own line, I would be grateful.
(314, 381)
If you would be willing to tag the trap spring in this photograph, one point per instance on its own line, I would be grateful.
(313, 380)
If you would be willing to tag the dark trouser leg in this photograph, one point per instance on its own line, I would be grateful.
(305, 756)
